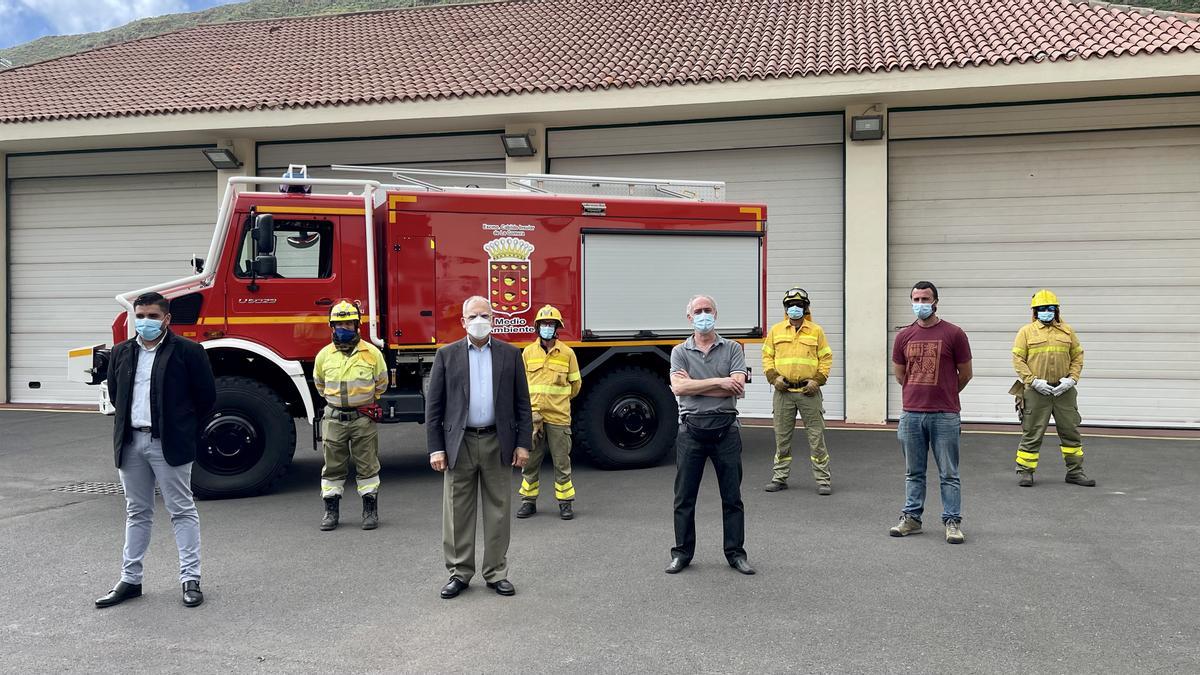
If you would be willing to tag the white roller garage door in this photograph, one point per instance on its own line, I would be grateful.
(477, 152)
(79, 237)
(1109, 220)
(792, 164)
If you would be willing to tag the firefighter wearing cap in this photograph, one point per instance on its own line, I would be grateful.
(1049, 360)
(796, 361)
(554, 379)
(351, 374)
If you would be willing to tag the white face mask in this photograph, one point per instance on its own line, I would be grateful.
(479, 328)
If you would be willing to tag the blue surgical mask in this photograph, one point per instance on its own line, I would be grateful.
(344, 334)
(149, 329)
(547, 332)
(922, 310)
(704, 322)
(1046, 317)
(794, 312)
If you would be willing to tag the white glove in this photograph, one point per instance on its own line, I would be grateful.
(1043, 387)
(1063, 385)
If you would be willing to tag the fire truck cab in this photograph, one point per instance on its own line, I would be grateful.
(619, 257)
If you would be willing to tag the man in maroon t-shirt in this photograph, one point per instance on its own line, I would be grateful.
(932, 362)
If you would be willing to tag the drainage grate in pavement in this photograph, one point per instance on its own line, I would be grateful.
(94, 488)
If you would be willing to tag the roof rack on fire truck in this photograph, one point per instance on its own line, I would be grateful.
(548, 183)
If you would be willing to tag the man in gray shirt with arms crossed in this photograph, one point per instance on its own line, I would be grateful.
(708, 374)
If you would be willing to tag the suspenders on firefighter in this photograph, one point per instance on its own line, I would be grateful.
(351, 374)
(554, 380)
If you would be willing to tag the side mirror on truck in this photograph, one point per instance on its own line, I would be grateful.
(265, 266)
(264, 234)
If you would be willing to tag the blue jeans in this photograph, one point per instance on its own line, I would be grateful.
(919, 432)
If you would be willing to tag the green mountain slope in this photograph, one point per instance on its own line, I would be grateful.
(51, 47)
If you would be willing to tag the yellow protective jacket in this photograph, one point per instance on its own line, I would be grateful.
(1047, 353)
(350, 380)
(554, 380)
(797, 355)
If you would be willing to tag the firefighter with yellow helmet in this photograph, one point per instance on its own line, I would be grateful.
(554, 379)
(1049, 360)
(351, 374)
(796, 361)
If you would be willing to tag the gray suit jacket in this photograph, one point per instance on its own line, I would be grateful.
(448, 398)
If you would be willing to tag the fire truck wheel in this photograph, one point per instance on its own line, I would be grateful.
(246, 443)
(627, 420)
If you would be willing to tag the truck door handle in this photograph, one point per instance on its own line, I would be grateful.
(325, 301)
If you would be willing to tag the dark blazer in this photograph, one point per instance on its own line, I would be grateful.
(448, 398)
(182, 393)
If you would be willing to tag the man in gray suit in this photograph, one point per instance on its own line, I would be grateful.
(478, 424)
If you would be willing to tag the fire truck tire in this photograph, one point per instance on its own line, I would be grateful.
(246, 444)
(627, 420)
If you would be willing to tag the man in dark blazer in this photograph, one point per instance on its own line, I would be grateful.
(162, 387)
(478, 424)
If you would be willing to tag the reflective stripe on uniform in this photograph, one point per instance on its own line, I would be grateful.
(796, 361)
(1027, 459)
(368, 486)
(528, 489)
(332, 488)
(1071, 451)
(1049, 348)
(564, 490)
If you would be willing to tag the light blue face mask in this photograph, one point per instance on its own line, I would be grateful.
(704, 322)
(149, 329)
(547, 332)
(795, 312)
(922, 310)
(1045, 317)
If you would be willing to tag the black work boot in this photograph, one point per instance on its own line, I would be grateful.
(1024, 478)
(370, 511)
(330, 521)
(527, 509)
(565, 511)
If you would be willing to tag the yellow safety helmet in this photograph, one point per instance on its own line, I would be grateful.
(795, 293)
(344, 310)
(549, 313)
(1044, 298)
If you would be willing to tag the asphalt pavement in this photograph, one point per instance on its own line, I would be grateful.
(1053, 579)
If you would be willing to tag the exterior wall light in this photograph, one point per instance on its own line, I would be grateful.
(222, 158)
(518, 145)
(866, 128)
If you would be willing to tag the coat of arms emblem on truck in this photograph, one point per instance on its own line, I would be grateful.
(509, 286)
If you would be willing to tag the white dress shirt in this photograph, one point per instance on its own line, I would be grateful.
(139, 411)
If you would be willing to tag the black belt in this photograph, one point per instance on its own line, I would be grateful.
(144, 430)
(490, 429)
(344, 414)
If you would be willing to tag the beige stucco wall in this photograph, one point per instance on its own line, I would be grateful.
(535, 164)
(867, 360)
(244, 150)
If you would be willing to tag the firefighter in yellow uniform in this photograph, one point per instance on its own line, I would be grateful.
(1049, 360)
(796, 361)
(351, 374)
(554, 380)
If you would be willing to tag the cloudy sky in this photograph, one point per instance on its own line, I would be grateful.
(25, 20)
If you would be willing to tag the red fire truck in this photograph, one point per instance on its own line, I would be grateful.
(620, 268)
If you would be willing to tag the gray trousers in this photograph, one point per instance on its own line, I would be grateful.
(142, 465)
(478, 475)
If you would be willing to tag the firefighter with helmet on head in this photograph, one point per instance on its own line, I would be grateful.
(1049, 360)
(351, 374)
(554, 379)
(796, 361)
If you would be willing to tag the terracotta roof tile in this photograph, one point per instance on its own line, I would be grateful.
(523, 46)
